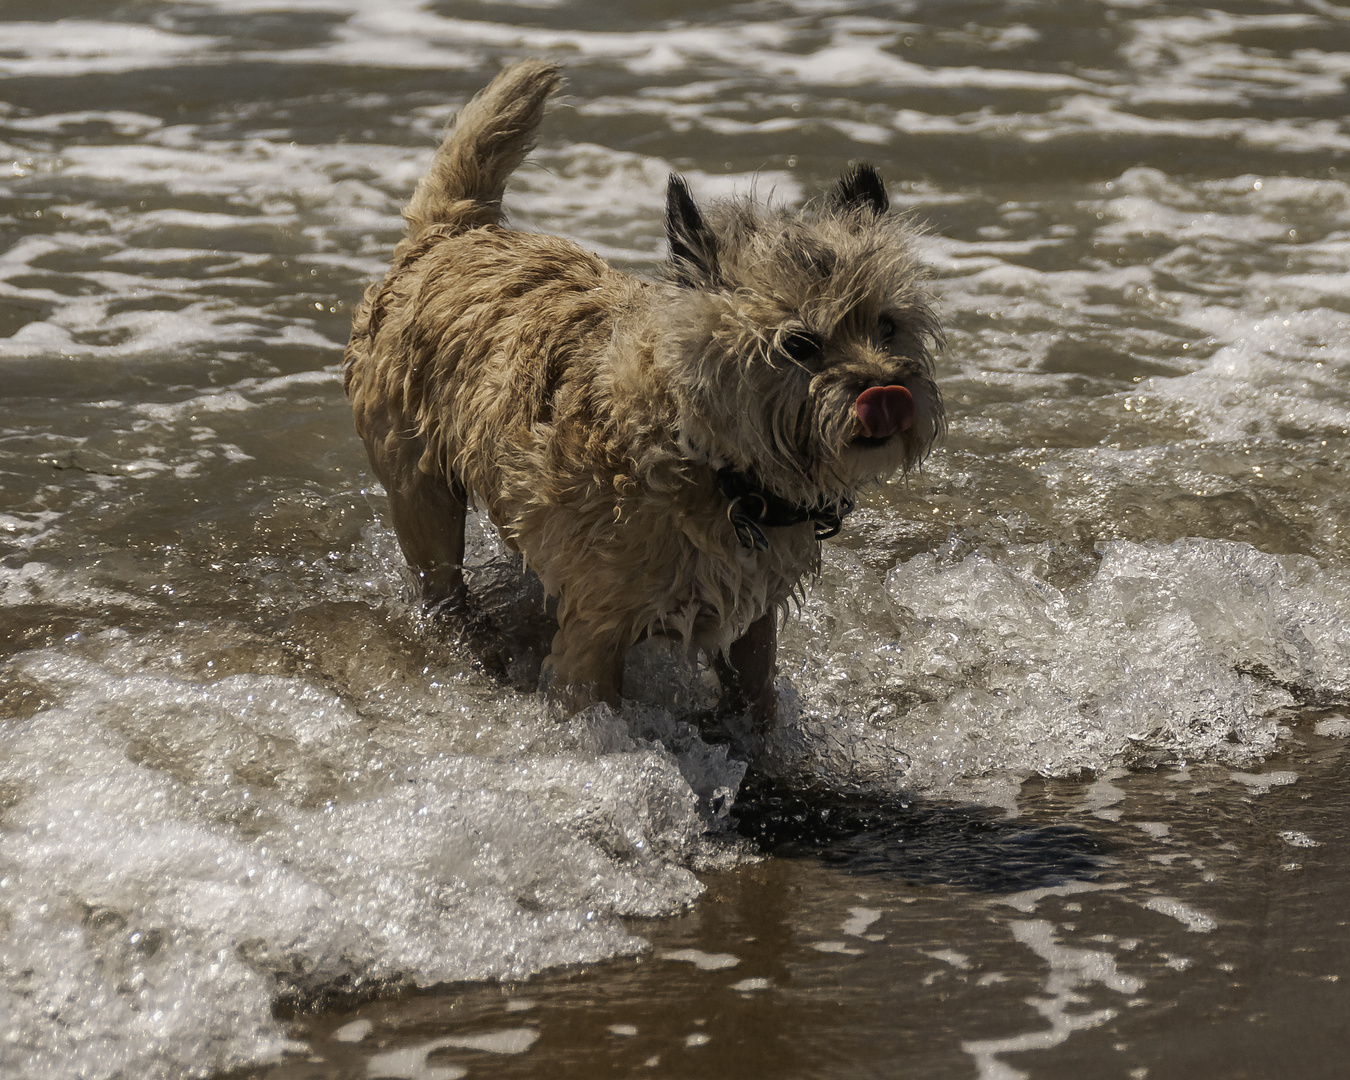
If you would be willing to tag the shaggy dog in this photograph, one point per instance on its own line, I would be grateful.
(666, 455)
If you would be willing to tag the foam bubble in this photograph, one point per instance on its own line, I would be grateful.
(750, 986)
(178, 849)
(1263, 783)
(1197, 922)
(959, 668)
(841, 948)
(85, 46)
(354, 1032)
(1071, 970)
(704, 961)
(1333, 727)
(410, 1063)
(860, 918)
(958, 960)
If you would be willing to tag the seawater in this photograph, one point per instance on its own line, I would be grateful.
(241, 776)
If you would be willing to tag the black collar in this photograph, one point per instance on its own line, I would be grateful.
(753, 508)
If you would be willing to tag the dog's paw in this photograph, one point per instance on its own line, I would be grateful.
(736, 729)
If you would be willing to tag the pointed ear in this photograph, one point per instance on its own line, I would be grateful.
(860, 188)
(693, 247)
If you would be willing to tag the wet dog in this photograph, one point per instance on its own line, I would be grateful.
(666, 455)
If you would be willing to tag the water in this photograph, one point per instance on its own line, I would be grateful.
(1099, 647)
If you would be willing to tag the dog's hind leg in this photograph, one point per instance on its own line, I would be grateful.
(428, 516)
(747, 669)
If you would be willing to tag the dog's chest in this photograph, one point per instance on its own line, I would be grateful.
(727, 585)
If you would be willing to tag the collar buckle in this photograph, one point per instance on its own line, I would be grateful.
(752, 508)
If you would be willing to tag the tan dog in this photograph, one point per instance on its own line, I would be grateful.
(666, 455)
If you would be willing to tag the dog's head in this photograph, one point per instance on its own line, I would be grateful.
(799, 345)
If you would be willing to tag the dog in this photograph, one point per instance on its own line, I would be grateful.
(667, 455)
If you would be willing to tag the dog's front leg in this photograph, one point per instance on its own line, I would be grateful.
(583, 667)
(747, 671)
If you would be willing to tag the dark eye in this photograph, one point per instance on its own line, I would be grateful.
(801, 347)
(886, 329)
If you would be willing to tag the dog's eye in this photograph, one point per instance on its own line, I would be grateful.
(801, 347)
(886, 329)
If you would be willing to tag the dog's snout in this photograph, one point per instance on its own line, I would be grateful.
(884, 410)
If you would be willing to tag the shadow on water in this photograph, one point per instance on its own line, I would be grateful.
(916, 841)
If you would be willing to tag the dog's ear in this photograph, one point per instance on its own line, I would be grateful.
(693, 247)
(860, 188)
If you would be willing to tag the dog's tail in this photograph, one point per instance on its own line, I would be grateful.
(486, 143)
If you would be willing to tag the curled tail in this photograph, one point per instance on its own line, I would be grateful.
(485, 144)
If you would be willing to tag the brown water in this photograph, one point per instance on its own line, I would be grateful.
(240, 775)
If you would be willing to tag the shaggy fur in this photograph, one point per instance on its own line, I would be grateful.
(591, 412)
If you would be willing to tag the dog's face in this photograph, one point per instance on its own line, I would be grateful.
(800, 345)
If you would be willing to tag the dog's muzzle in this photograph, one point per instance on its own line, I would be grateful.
(884, 410)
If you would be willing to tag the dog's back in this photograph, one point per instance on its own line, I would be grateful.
(462, 190)
(415, 332)
(480, 342)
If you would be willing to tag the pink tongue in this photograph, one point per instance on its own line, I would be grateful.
(884, 410)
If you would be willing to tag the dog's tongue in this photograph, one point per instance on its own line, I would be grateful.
(884, 410)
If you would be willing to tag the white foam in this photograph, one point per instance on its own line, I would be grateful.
(506, 1041)
(1197, 922)
(750, 986)
(1070, 971)
(1261, 783)
(118, 121)
(41, 583)
(1333, 727)
(25, 531)
(404, 34)
(410, 1063)
(958, 960)
(842, 948)
(1151, 651)
(859, 919)
(175, 845)
(1027, 900)
(1107, 112)
(704, 961)
(84, 46)
(354, 1032)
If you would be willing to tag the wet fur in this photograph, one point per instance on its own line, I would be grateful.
(589, 411)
